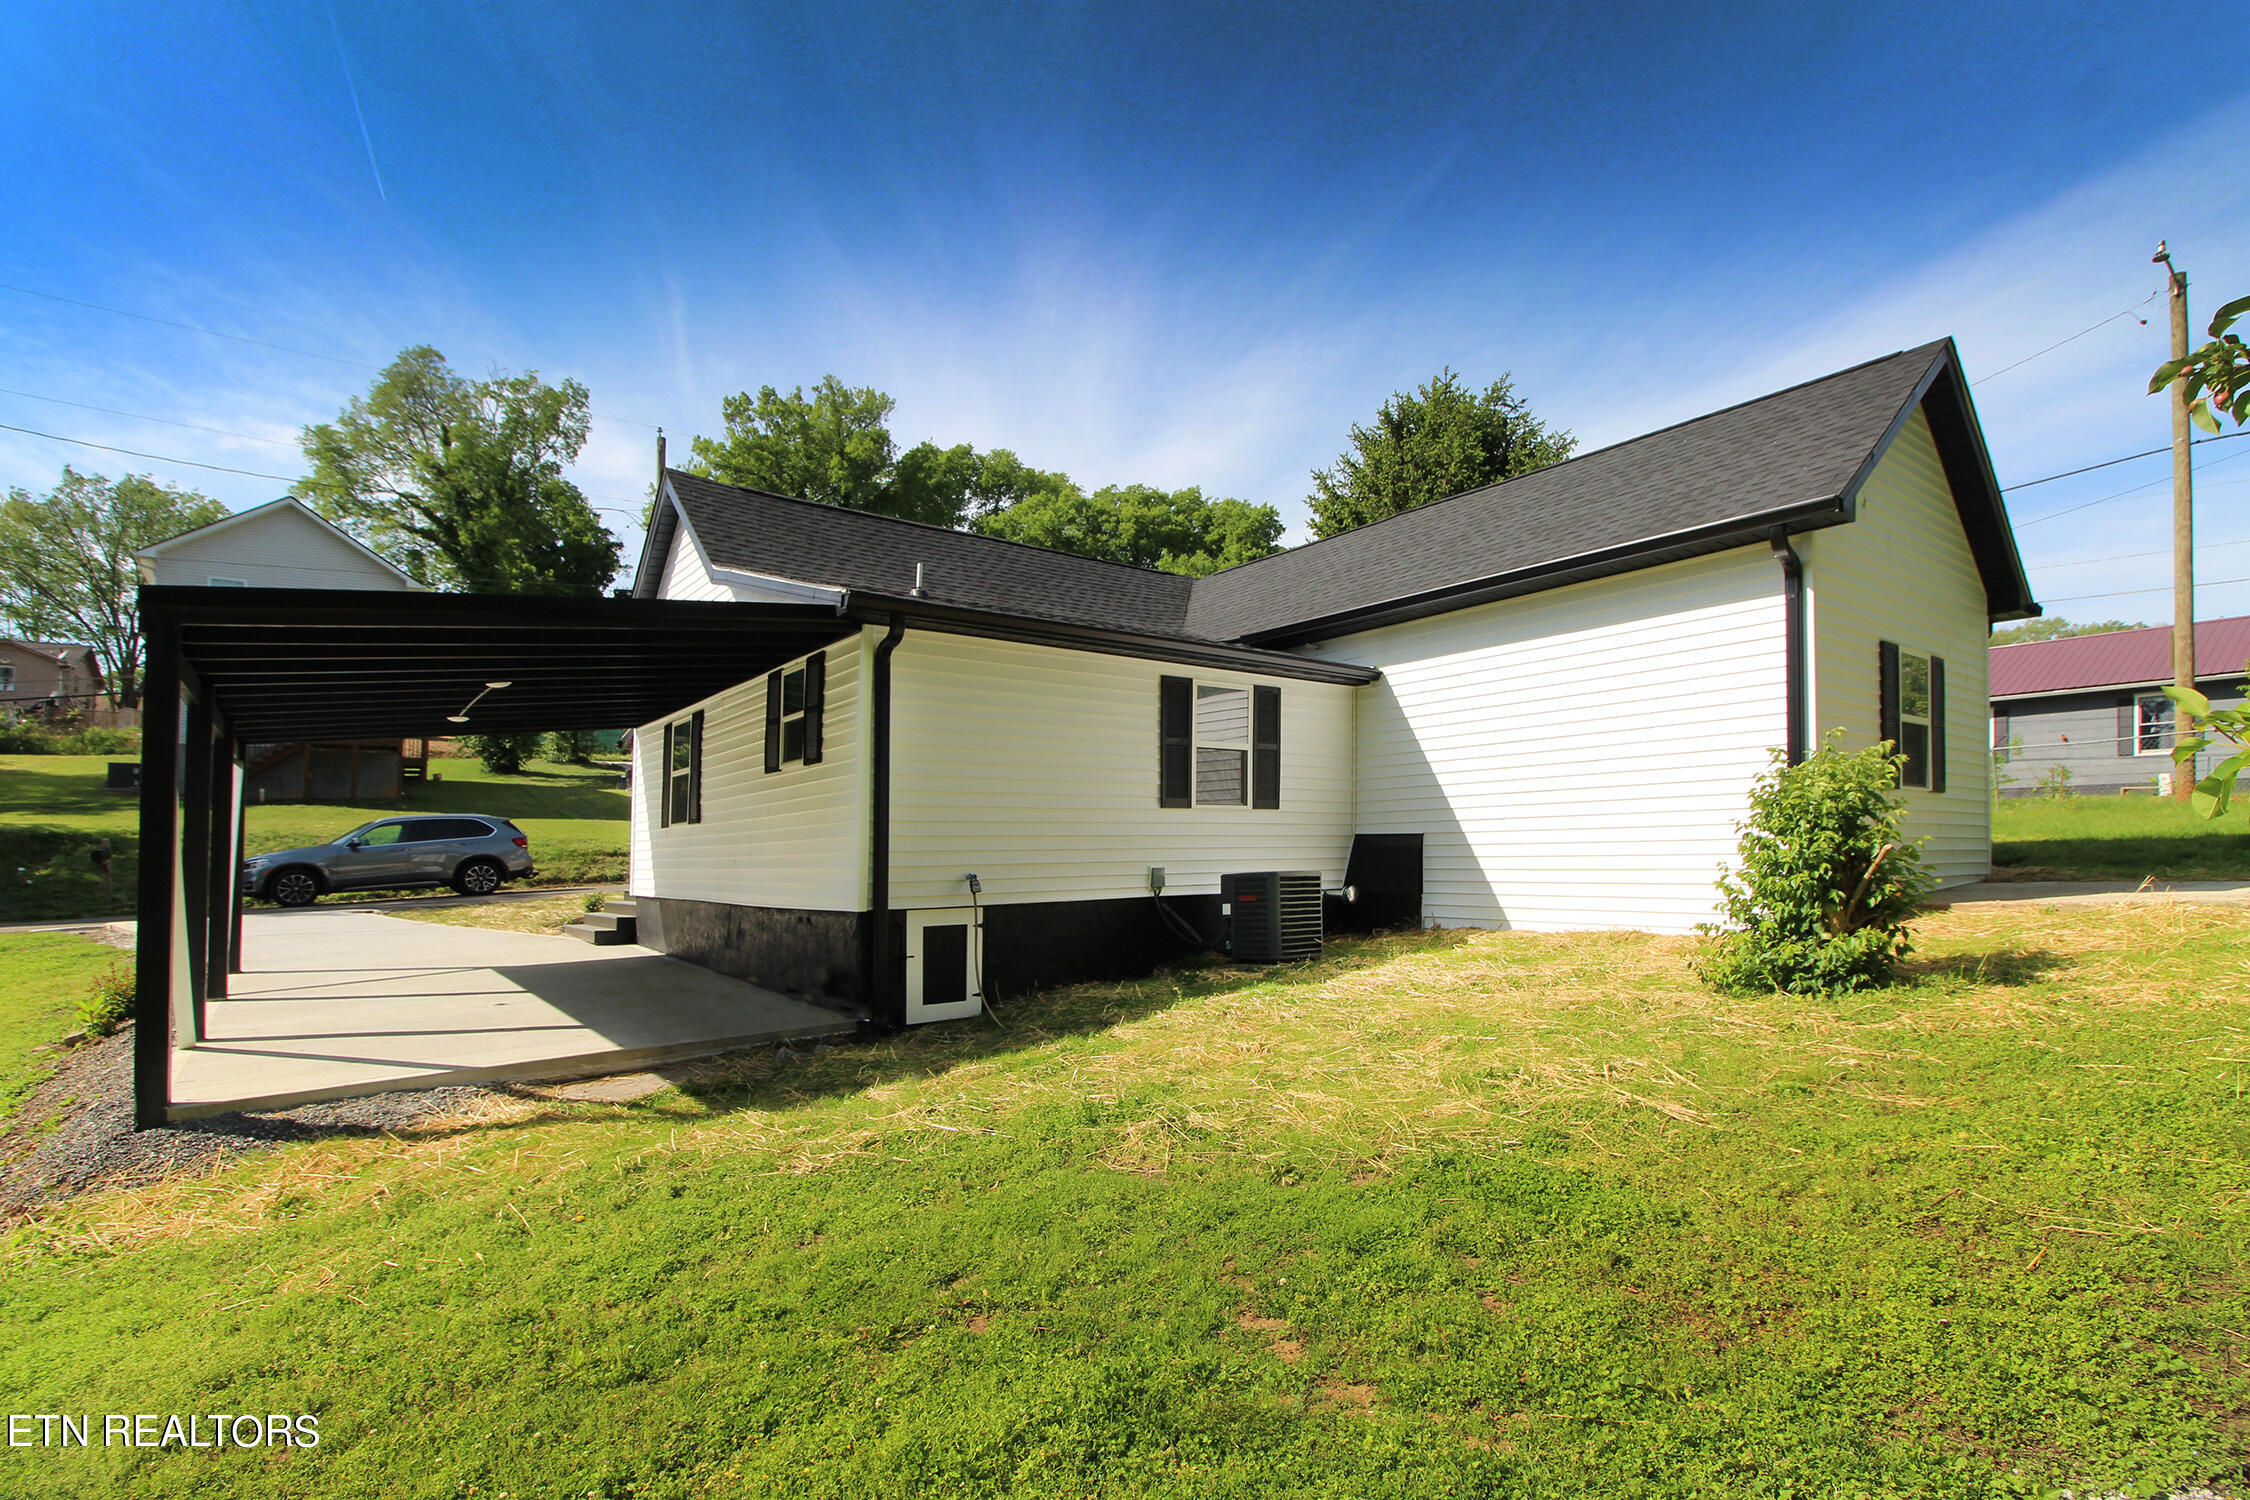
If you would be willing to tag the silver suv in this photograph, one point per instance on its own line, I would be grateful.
(473, 853)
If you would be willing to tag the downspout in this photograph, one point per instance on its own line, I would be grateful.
(1793, 597)
(889, 1010)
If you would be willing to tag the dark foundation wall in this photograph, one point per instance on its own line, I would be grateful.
(815, 956)
(1048, 943)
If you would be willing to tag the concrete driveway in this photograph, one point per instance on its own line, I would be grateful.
(334, 1003)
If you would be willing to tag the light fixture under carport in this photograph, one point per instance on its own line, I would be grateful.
(463, 716)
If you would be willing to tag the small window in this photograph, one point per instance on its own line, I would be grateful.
(1914, 718)
(7, 677)
(793, 715)
(1222, 746)
(229, 583)
(2152, 719)
(680, 778)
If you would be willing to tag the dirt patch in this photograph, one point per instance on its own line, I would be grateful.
(75, 1132)
(1351, 1397)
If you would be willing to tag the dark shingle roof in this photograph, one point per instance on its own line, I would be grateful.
(1798, 445)
(807, 542)
(1716, 481)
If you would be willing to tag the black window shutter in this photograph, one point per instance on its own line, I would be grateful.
(1265, 747)
(695, 768)
(661, 782)
(1937, 723)
(1886, 724)
(773, 721)
(1175, 762)
(816, 697)
(2128, 727)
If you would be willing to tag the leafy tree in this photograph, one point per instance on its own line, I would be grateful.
(67, 569)
(2218, 374)
(835, 446)
(1827, 882)
(1177, 530)
(2054, 628)
(502, 754)
(460, 482)
(1439, 440)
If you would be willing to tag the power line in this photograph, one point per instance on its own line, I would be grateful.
(2120, 495)
(160, 458)
(2202, 583)
(111, 411)
(2009, 489)
(240, 339)
(2088, 562)
(2081, 333)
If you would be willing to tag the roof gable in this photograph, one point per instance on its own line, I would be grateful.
(285, 511)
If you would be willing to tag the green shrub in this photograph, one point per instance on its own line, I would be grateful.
(595, 901)
(30, 738)
(1827, 881)
(108, 1001)
(502, 754)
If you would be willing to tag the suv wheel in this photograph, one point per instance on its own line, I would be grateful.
(479, 877)
(294, 886)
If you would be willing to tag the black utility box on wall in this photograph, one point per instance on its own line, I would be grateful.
(1273, 916)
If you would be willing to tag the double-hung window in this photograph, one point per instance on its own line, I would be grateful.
(7, 676)
(1218, 745)
(680, 785)
(2152, 724)
(1912, 698)
(795, 703)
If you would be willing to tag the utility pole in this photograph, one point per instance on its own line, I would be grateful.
(2183, 514)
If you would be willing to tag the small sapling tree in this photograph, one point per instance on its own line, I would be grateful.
(1827, 882)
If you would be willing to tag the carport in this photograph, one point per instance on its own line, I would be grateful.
(228, 668)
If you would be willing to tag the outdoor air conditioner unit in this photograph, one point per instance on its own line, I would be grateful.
(1273, 917)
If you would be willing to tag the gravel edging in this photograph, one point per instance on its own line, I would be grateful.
(74, 1133)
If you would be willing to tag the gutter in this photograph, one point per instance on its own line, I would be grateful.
(1222, 655)
(889, 1010)
(1793, 596)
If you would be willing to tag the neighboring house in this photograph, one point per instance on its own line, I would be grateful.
(35, 675)
(1538, 705)
(284, 545)
(2088, 712)
(279, 545)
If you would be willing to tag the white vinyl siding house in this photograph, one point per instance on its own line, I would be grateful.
(1540, 705)
(1036, 768)
(1903, 572)
(1494, 733)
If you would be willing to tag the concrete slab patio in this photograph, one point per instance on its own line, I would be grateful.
(335, 1003)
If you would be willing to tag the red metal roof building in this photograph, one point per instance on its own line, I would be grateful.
(2116, 658)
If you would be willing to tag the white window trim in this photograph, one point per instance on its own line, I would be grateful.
(799, 672)
(682, 740)
(227, 583)
(2168, 735)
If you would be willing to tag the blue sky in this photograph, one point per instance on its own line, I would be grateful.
(1174, 245)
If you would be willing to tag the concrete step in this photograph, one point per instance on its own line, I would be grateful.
(621, 905)
(609, 917)
(601, 937)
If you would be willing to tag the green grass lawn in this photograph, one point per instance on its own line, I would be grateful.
(53, 809)
(1445, 1214)
(42, 975)
(2113, 838)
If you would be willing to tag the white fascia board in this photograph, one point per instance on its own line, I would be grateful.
(810, 593)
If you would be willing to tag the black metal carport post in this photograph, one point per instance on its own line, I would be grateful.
(153, 937)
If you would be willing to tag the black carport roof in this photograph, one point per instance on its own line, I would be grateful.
(294, 664)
